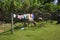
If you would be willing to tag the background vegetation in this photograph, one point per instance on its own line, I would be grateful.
(25, 6)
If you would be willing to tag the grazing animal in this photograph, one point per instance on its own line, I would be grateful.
(27, 19)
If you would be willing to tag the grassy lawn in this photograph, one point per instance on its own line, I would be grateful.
(47, 31)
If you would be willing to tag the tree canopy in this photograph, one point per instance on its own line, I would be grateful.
(24, 6)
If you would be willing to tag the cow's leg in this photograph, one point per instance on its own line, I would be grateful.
(34, 23)
(28, 23)
(24, 23)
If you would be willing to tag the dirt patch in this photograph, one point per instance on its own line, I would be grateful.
(1, 31)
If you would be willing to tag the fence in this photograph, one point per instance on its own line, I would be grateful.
(5, 27)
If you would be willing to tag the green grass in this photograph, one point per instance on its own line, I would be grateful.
(47, 31)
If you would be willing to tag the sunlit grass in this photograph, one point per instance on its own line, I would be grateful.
(45, 31)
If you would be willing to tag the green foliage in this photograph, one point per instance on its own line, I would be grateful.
(27, 6)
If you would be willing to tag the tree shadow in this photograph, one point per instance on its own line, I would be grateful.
(6, 33)
(9, 31)
(41, 25)
(18, 27)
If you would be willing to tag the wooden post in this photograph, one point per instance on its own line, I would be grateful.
(12, 28)
(11, 11)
